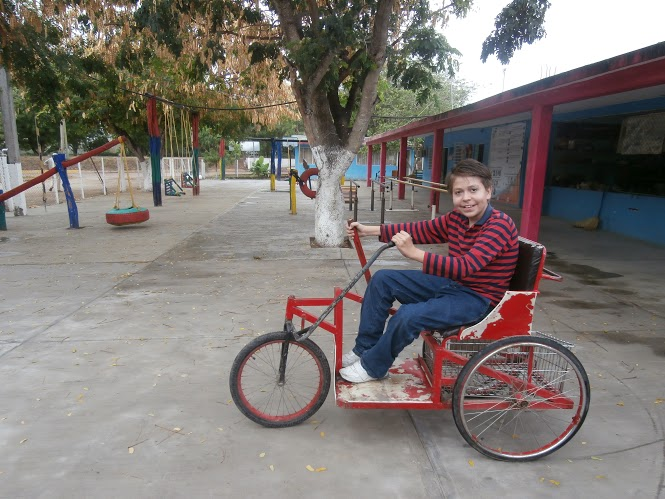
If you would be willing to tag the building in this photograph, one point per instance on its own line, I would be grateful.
(583, 144)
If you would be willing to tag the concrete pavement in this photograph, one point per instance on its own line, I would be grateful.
(116, 345)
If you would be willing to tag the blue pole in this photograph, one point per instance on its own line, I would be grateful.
(279, 160)
(69, 195)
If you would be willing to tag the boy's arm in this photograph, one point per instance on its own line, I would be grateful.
(490, 243)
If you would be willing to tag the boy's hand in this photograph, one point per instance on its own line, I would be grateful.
(363, 230)
(404, 244)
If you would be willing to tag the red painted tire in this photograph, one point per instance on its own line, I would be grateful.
(127, 216)
(303, 182)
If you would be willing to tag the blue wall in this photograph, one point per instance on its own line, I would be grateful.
(628, 214)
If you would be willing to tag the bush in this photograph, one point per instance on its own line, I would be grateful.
(261, 167)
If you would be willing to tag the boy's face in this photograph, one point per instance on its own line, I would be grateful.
(470, 197)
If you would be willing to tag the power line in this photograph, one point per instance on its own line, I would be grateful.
(147, 95)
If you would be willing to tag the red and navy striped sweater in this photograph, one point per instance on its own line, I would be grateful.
(482, 257)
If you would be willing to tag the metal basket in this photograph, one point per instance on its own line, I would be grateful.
(547, 369)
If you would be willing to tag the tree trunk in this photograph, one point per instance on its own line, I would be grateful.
(146, 171)
(329, 220)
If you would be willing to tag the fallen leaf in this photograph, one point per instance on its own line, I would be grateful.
(131, 450)
(620, 404)
(321, 469)
(471, 463)
(554, 482)
(263, 454)
(659, 401)
(323, 434)
(272, 468)
(600, 477)
(176, 429)
(596, 458)
(309, 468)
(24, 440)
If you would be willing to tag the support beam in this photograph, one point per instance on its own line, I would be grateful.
(437, 162)
(401, 168)
(369, 166)
(382, 162)
(536, 165)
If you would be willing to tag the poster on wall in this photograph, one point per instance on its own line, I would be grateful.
(505, 161)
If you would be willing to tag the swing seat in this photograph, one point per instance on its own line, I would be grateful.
(127, 216)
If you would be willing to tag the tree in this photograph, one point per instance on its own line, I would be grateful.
(94, 63)
(333, 53)
(397, 106)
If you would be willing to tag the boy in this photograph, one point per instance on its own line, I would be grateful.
(449, 290)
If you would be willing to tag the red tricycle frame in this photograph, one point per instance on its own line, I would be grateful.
(500, 378)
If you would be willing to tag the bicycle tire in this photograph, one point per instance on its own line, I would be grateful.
(508, 422)
(255, 380)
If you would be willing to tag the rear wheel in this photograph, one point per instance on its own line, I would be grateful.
(277, 381)
(521, 398)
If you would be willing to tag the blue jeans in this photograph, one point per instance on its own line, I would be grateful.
(427, 302)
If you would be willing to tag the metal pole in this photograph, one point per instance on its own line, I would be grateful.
(391, 195)
(383, 206)
(355, 207)
(103, 177)
(371, 202)
(81, 180)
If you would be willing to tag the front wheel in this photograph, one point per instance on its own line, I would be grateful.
(521, 398)
(277, 381)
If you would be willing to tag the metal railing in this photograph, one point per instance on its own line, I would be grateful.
(388, 186)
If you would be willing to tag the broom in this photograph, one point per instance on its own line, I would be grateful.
(593, 222)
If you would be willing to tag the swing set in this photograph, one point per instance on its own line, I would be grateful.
(133, 214)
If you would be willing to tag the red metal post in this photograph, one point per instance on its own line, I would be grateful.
(369, 166)
(401, 169)
(536, 164)
(437, 156)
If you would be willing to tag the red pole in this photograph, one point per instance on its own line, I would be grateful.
(437, 157)
(401, 167)
(369, 165)
(536, 166)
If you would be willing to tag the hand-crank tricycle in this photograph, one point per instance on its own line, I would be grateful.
(516, 394)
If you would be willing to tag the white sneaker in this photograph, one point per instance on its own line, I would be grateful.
(355, 373)
(349, 359)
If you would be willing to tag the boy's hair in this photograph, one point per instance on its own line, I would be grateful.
(470, 168)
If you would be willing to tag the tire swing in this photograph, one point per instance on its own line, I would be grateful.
(125, 216)
(310, 193)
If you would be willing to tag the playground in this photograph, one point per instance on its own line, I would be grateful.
(116, 345)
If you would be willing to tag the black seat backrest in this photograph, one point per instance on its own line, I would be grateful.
(528, 261)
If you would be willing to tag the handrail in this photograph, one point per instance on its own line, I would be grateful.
(420, 185)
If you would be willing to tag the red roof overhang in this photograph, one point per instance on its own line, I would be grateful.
(634, 70)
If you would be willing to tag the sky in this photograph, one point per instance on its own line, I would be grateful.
(579, 32)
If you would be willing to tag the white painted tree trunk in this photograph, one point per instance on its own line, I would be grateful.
(146, 170)
(329, 220)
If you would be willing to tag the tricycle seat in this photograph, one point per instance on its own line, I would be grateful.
(513, 315)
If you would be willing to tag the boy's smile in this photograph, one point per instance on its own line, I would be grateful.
(470, 197)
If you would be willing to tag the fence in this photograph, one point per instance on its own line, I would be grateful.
(96, 176)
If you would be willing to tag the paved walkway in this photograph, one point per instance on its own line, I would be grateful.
(116, 344)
